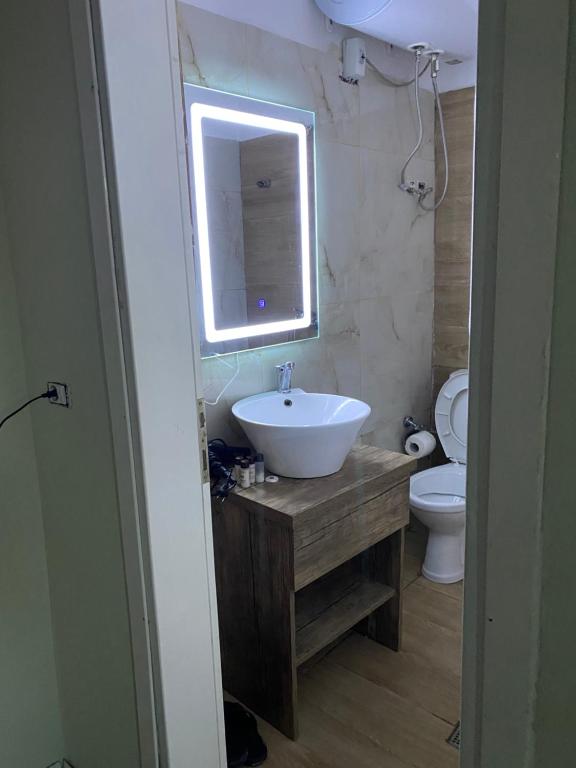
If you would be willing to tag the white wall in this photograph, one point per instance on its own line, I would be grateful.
(30, 727)
(42, 171)
(376, 248)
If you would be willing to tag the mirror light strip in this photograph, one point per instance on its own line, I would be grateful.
(198, 112)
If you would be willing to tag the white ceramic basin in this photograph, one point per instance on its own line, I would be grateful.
(301, 434)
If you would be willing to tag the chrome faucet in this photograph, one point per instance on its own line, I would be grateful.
(284, 377)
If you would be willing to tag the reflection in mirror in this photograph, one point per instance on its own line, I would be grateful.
(253, 189)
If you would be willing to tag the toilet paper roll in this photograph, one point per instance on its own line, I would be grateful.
(420, 444)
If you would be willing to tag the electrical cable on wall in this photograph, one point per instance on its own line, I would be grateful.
(50, 393)
(229, 382)
(56, 393)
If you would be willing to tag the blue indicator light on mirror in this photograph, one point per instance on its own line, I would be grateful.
(261, 303)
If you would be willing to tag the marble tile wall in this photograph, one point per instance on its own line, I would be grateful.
(376, 249)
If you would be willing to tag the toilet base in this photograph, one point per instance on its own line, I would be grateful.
(444, 562)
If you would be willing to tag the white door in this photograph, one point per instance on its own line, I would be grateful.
(133, 134)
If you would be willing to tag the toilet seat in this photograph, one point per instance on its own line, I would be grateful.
(440, 489)
(451, 416)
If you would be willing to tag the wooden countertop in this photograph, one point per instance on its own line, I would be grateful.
(367, 472)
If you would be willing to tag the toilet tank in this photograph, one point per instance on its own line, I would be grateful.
(447, 24)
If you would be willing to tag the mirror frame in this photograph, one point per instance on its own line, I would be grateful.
(206, 103)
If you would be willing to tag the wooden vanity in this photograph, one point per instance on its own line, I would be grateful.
(300, 563)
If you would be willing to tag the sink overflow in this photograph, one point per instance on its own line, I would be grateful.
(288, 402)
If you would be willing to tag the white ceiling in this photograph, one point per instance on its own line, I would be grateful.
(303, 22)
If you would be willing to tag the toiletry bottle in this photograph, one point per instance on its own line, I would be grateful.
(252, 466)
(237, 468)
(245, 474)
(260, 474)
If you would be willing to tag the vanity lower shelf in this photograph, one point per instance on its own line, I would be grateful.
(319, 624)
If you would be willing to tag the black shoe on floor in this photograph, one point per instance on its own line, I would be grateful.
(242, 734)
(236, 750)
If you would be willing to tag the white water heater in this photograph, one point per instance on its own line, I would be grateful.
(447, 24)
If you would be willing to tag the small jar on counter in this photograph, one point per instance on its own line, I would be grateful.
(259, 468)
(244, 474)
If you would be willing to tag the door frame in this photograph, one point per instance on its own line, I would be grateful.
(519, 132)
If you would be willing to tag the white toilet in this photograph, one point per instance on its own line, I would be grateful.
(438, 495)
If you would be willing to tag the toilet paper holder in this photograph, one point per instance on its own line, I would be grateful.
(410, 423)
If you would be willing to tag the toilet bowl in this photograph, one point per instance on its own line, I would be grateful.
(438, 495)
(438, 500)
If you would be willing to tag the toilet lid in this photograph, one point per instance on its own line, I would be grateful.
(452, 416)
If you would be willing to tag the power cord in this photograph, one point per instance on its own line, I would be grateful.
(229, 382)
(50, 393)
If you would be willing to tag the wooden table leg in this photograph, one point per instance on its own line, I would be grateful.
(385, 564)
(273, 569)
(254, 573)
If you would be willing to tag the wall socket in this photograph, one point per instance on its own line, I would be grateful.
(62, 396)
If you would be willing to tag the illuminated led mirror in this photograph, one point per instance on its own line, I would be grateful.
(252, 182)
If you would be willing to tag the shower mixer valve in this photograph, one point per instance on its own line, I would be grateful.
(419, 189)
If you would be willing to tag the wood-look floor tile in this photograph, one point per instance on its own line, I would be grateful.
(285, 753)
(408, 674)
(432, 605)
(455, 591)
(366, 706)
(439, 646)
(338, 743)
(395, 725)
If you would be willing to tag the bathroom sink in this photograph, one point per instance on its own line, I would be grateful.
(301, 434)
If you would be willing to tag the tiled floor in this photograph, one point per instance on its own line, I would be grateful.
(365, 706)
